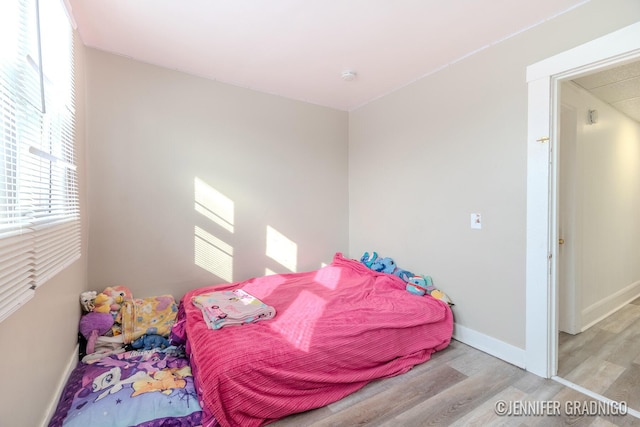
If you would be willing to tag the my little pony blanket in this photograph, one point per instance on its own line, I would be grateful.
(140, 388)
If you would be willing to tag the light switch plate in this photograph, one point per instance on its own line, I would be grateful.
(476, 221)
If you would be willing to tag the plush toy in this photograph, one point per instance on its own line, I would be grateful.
(428, 282)
(384, 265)
(438, 294)
(110, 300)
(92, 325)
(369, 259)
(147, 342)
(87, 300)
(403, 274)
(417, 285)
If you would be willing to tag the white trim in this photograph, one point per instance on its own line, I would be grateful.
(500, 349)
(538, 287)
(617, 44)
(71, 364)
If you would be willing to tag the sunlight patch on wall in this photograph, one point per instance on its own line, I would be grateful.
(297, 323)
(281, 249)
(269, 272)
(214, 205)
(213, 255)
(628, 160)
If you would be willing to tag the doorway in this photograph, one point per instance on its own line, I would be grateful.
(544, 80)
(598, 277)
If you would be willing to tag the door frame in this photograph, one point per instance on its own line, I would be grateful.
(543, 78)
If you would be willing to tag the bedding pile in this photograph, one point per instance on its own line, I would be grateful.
(147, 316)
(113, 320)
(235, 307)
(114, 385)
(337, 329)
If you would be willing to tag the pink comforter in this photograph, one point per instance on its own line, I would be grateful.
(336, 329)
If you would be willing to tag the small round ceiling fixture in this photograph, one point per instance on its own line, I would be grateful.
(348, 75)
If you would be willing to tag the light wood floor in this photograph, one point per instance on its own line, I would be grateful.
(606, 357)
(459, 386)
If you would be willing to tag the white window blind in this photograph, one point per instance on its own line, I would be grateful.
(39, 206)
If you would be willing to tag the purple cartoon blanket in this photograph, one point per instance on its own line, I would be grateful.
(139, 388)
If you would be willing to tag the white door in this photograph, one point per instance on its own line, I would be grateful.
(569, 295)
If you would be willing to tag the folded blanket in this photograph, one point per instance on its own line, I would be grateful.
(154, 315)
(234, 307)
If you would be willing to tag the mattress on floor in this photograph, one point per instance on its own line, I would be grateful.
(136, 388)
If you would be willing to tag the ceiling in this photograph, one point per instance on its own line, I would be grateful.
(299, 49)
(619, 87)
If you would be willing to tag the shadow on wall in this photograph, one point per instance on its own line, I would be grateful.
(211, 250)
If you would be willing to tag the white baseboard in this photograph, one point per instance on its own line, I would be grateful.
(609, 305)
(500, 349)
(71, 364)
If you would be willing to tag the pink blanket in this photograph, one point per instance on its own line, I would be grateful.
(337, 328)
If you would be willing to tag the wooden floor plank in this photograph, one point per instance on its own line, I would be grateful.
(485, 414)
(461, 386)
(456, 401)
(580, 348)
(595, 374)
(606, 358)
(622, 320)
(626, 388)
(396, 399)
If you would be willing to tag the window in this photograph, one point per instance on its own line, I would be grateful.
(39, 206)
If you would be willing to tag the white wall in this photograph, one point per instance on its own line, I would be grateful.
(424, 157)
(608, 202)
(38, 340)
(157, 136)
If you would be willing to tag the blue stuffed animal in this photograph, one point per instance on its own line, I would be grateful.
(147, 342)
(403, 274)
(384, 265)
(417, 285)
(369, 259)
